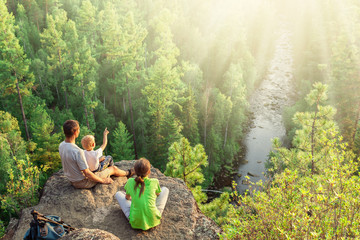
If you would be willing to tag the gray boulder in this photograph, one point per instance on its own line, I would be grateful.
(96, 208)
(93, 234)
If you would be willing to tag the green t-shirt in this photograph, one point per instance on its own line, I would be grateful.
(143, 211)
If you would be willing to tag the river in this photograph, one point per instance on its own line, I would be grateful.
(267, 104)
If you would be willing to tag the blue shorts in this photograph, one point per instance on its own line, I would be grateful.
(108, 161)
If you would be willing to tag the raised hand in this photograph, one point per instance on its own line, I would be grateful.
(106, 132)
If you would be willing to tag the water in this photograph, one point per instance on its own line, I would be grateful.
(267, 104)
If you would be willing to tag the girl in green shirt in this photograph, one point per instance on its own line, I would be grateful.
(144, 200)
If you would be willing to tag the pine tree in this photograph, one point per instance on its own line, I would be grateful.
(186, 163)
(121, 144)
(345, 71)
(106, 53)
(104, 119)
(217, 131)
(234, 87)
(189, 114)
(310, 152)
(84, 72)
(15, 77)
(57, 39)
(87, 24)
(162, 89)
(27, 33)
(47, 142)
(36, 15)
(189, 117)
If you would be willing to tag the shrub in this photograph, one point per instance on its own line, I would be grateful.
(22, 188)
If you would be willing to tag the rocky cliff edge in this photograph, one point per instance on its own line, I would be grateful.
(97, 215)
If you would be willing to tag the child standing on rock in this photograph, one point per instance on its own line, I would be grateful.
(144, 200)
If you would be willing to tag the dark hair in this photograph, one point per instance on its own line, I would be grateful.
(142, 167)
(70, 127)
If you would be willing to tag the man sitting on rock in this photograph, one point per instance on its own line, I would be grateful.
(74, 163)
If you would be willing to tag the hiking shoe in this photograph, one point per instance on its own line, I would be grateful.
(131, 172)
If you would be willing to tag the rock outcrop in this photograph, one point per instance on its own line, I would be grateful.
(96, 208)
(93, 234)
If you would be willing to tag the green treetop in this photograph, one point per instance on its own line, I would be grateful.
(121, 144)
(186, 162)
(58, 39)
(15, 77)
(310, 151)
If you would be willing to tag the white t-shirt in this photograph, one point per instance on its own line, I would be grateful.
(73, 161)
(92, 158)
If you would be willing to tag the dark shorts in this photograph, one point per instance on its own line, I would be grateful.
(108, 161)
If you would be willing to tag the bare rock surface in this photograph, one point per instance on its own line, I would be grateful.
(96, 208)
(93, 234)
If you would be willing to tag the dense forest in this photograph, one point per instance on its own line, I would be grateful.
(171, 80)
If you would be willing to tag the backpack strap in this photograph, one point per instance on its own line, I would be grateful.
(33, 231)
(42, 218)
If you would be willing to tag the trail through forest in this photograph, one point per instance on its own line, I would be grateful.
(267, 104)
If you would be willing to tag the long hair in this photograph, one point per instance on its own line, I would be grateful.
(142, 167)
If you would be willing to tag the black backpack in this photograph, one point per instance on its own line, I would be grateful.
(48, 227)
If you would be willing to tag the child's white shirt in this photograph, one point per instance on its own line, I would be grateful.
(92, 158)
